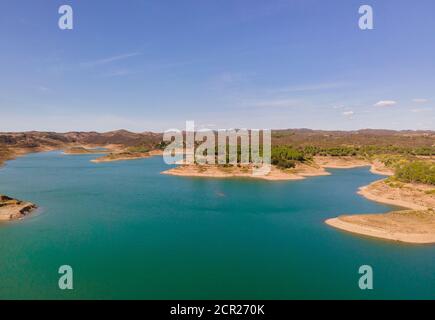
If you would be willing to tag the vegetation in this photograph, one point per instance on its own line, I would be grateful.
(138, 149)
(162, 145)
(5, 154)
(286, 156)
(410, 168)
(416, 171)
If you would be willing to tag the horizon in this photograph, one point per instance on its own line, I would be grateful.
(272, 129)
(245, 64)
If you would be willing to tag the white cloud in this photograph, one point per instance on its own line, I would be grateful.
(385, 103)
(420, 100)
(348, 113)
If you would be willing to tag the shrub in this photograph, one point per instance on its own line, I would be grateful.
(416, 171)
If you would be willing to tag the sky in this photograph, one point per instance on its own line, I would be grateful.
(151, 65)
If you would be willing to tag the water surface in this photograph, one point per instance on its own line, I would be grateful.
(130, 232)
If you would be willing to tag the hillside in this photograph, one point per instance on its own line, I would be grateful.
(16, 143)
(13, 144)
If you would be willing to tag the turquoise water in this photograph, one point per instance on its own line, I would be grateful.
(129, 232)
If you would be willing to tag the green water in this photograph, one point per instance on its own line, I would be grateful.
(129, 232)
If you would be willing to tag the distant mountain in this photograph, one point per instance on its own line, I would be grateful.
(123, 137)
(365, 137)
(13, 143)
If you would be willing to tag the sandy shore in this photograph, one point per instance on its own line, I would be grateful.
(406, 195)
(14, 153)
(122, 156)
(315, 168)
(156, 153)
(410, 226)
(12, 209)
(340, 162)
(276, 174)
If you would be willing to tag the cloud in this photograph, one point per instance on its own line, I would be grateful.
(420, 100)
(348, 113)
(385, 103)
(110, 59)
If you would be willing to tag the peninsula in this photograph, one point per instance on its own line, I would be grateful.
(297, 171)
(416, 225)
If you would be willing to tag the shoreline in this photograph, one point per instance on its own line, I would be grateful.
(119, 157)
(125, 156)
(81, 150)
(214, 171)
(12, 209)
(366, 193)
(376, 167)
(302, 170)
(414, 224)
(378, 191)
(406, 195)
(407, 226)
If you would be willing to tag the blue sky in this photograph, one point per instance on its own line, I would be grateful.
(153, 64)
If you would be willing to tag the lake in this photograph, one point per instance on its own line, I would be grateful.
(131, 233)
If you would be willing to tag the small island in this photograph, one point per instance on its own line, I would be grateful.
(130, 153)
(13, 209)
(82, 150)
(299, 172)
(122, 156)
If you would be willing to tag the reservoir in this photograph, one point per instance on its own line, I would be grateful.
(130, 232)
